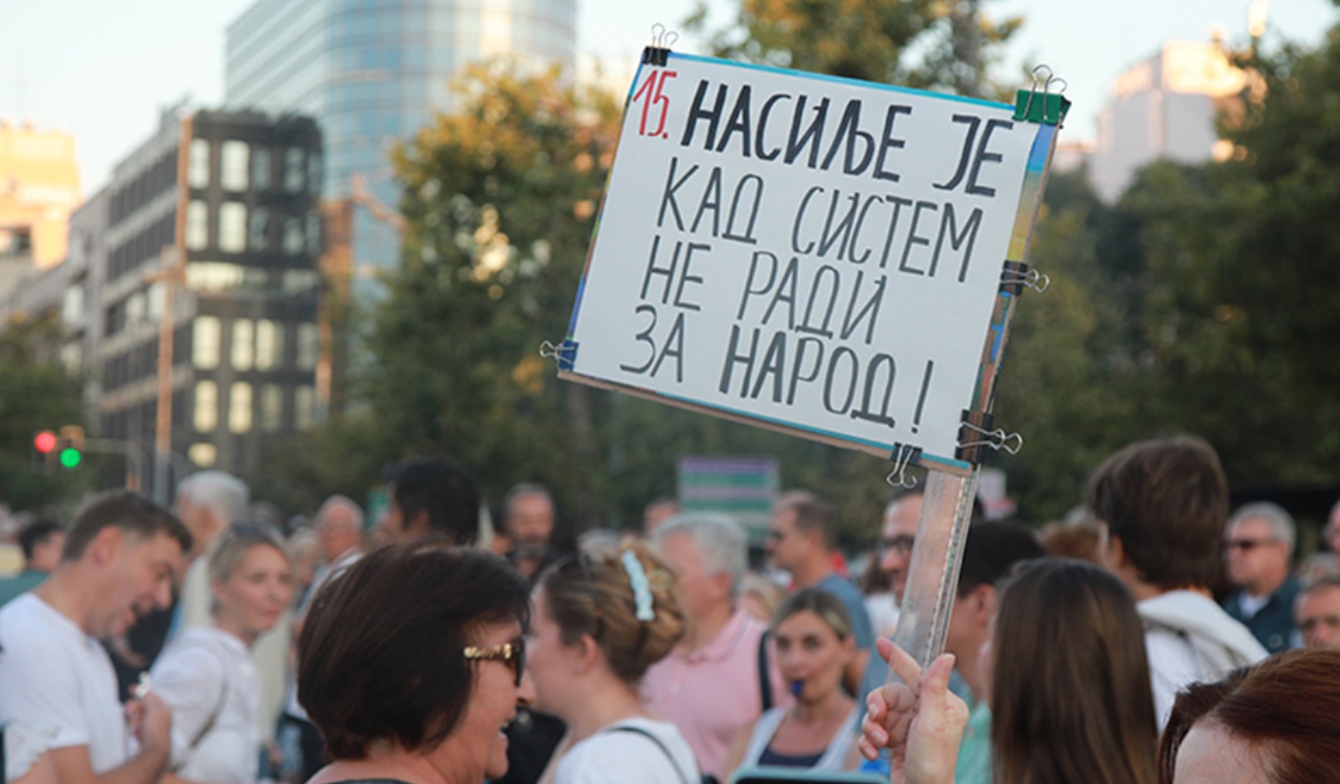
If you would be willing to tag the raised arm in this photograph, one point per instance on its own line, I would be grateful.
(919, 720)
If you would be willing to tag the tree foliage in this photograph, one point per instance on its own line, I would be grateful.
(37, 393)
(925, 44)
(1205, 301)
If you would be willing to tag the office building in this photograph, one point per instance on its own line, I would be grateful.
(39, 186)
(236, 192)
(1164, 108)
(372, 74)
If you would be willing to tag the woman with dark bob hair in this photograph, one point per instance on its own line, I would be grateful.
(410, 665)
(1277, 722)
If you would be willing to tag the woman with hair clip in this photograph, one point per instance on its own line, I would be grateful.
(207, 676)
(600, 621)
(812, 634)
(1068, 683)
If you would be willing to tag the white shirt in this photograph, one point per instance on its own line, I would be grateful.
(52, 674)
(208, 679)
(614, 756)
(834, 757)
(1189, 639)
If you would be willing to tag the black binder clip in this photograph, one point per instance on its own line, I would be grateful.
(1016, 276)
(658, 54)
(975, 432)
(565, 353)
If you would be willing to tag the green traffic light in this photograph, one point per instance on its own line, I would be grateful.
(70, 457)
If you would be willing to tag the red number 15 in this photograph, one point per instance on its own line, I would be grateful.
(651, 92)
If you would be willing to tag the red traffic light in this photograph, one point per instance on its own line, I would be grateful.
(44, 441)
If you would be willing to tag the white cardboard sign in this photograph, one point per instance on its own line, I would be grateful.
(809, 253)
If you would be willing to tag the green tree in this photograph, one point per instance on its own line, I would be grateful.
(1063, 383)
(927, 44)
(500, 202)
(36, 393)
(1203, 302)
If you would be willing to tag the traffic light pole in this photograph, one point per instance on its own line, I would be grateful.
(108, 445)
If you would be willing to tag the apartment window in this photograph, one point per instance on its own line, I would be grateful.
(72, 305)
(157, 299)
(304, 406)
(294, 164)
(260, 168)
(313, 234)
(301, 280)
(135, 305)
(293, 241)
(239, 408)
(197, 225)
(206, 406)
(205, 343)
(269, 341)
(72, 356)
(272, 407)
(314, 172)
(232, 227)
(233, 165)
(222, 276)
(197, 167)
(260, 225)
(244, 342)
(309, 346)
(203, 454)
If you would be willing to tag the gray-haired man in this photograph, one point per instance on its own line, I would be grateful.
(710, 685)
(1257, 547)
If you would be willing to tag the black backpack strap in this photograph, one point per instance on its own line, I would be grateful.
(764, 679)
(678, 770)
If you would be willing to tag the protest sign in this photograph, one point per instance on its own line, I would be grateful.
(813, 254)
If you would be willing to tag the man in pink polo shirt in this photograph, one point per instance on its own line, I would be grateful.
(710, 685)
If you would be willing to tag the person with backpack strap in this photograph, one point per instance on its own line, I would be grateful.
(600, 621)
(721, 676)
(207, 675)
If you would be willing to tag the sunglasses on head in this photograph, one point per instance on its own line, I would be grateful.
(511, 653)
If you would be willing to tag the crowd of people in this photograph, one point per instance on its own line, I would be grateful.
(197, 646)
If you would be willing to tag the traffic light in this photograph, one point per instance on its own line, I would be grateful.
(70, 446)
(44, 449)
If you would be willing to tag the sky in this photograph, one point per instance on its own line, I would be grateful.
(103, 70)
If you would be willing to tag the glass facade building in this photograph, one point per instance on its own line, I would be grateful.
(373, 72)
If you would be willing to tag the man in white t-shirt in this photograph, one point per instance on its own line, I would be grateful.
(1163, 505)
(121, 556)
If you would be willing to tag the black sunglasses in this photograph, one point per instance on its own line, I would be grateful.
(512, 653)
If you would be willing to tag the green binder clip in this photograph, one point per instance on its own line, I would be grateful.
(1042, 106)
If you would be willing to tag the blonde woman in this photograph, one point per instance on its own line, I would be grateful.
(812, 634)
(207, 676)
